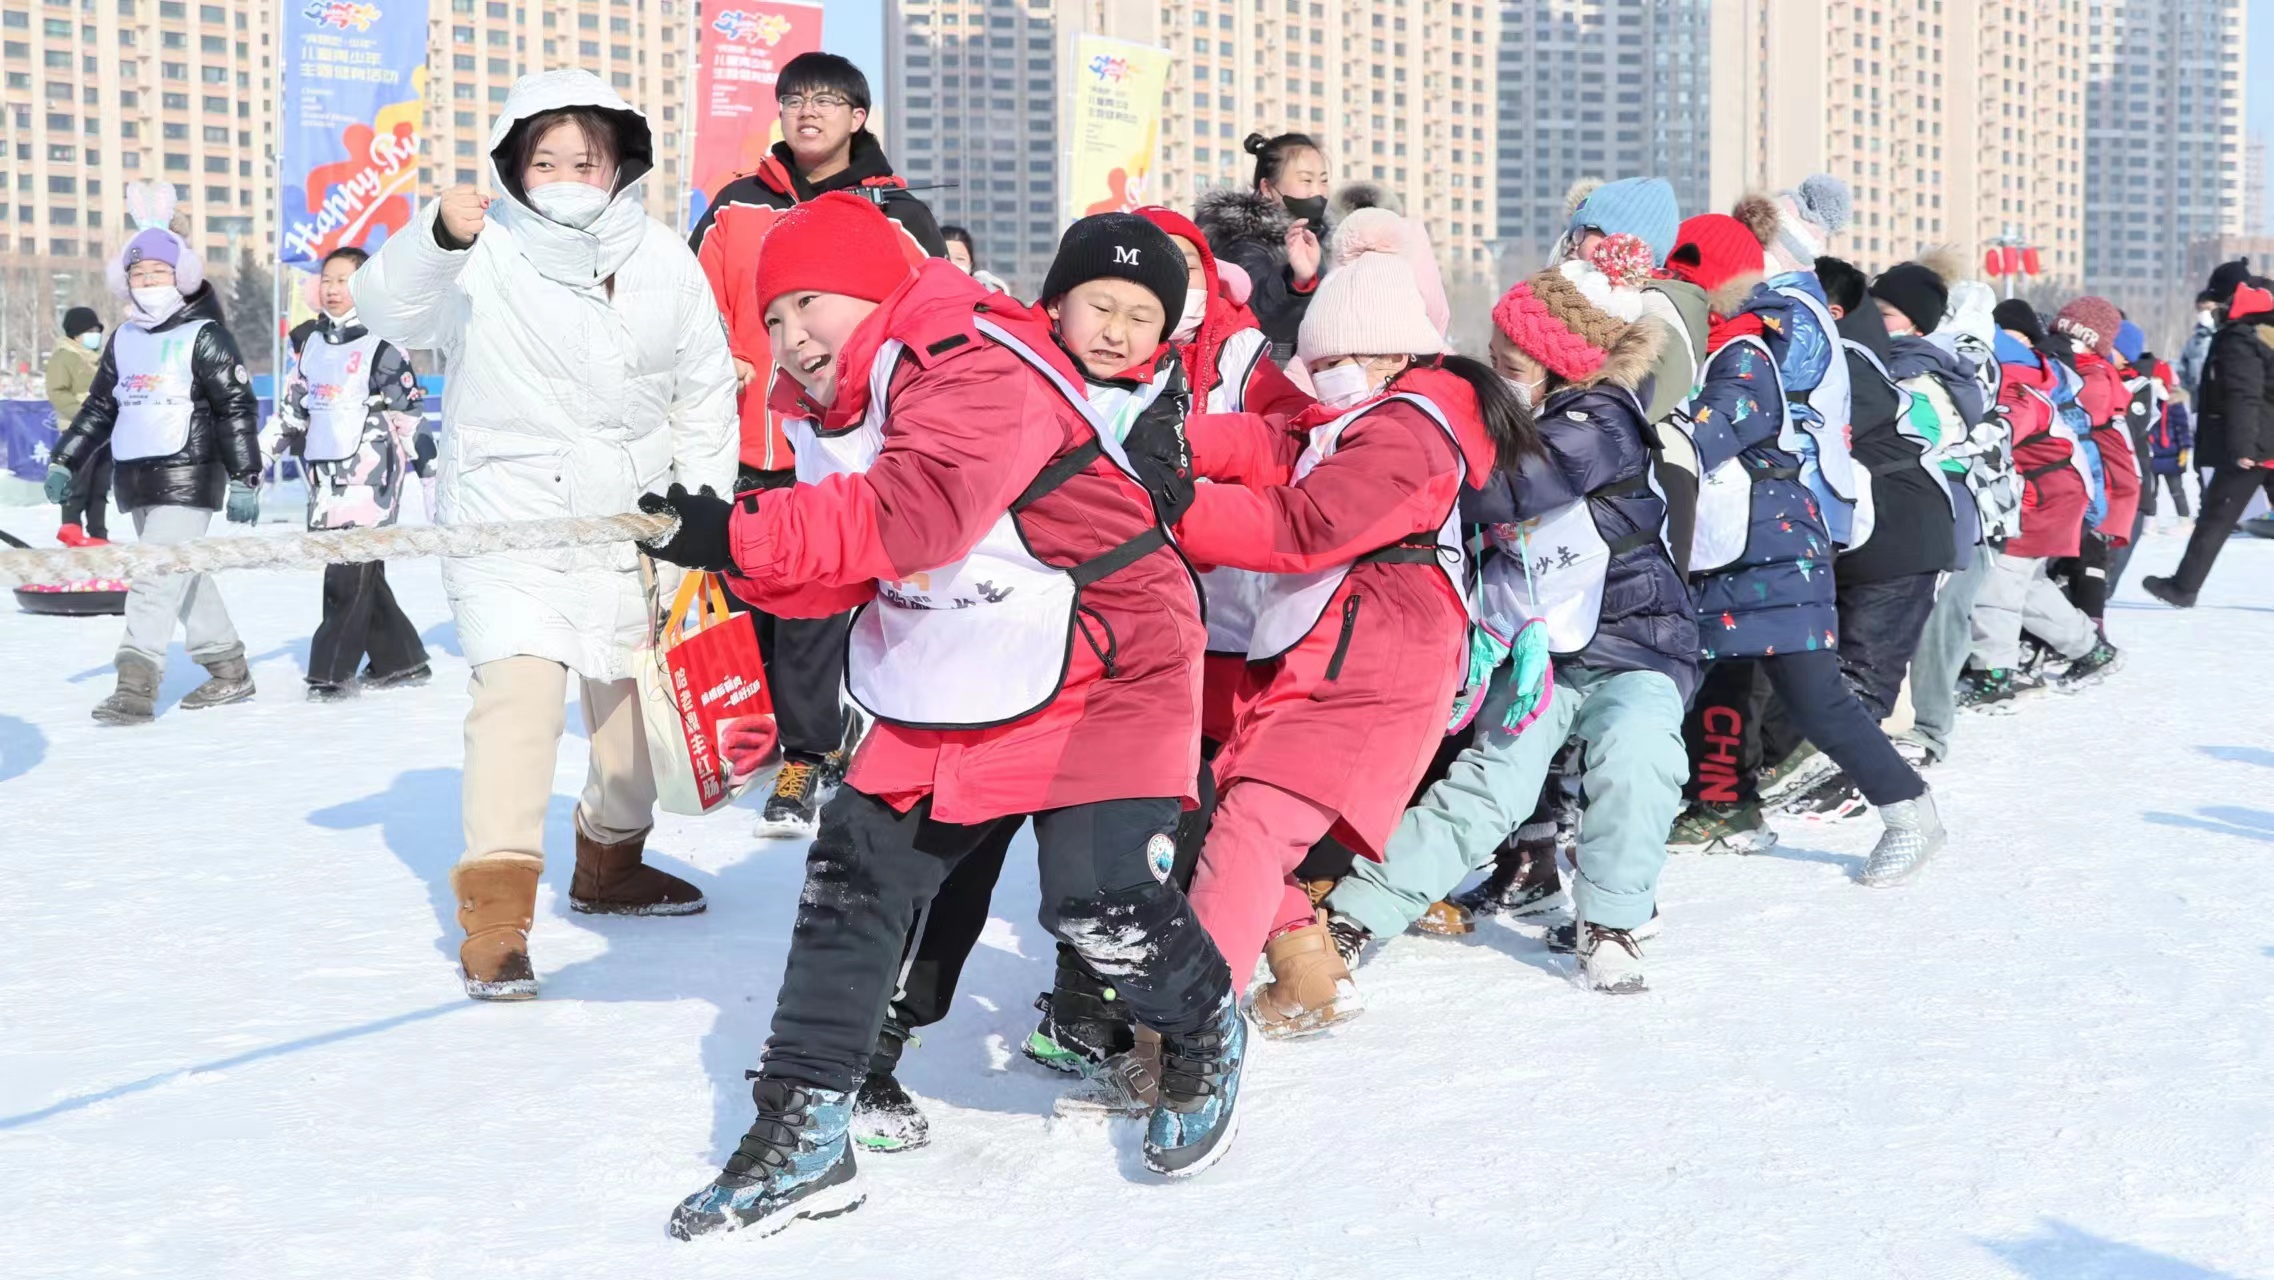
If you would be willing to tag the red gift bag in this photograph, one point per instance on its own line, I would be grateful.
(703, 700)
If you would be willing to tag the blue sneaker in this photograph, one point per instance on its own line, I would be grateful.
(1192, 1125)
(794, 1163)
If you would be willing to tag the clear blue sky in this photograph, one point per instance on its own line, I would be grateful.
(855, 28)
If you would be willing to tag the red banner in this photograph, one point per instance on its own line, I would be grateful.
(739, 51)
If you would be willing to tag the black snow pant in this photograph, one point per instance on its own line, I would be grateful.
(2225, 498)
(804, 658)
(2086, 574)
(1880, 626)
(1822, 709)
(88, 504)
(2177, 483)
(2118, 557)
(871, 869)
(361, 617)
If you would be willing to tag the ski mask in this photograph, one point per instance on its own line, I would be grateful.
(157, 301)
(572, 204)
(1343, 385)
(1311, 209)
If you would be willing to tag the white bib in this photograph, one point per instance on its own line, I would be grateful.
(339, 388)
(1235, 596)
(1828, 469)
(157, 375)
(1725, 494)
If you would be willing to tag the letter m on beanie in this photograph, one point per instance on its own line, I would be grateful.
(1124, 255)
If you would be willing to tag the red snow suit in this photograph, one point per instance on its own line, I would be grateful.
(969, 426)
(2053, 497)
(2104, 398)
(1350, 716)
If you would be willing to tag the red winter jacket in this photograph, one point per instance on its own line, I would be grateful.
(2105, 398)
(1350, 716)
(969, 426)
(2053, 497)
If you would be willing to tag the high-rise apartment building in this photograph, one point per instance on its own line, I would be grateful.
(2163, 150)
(1596, 89)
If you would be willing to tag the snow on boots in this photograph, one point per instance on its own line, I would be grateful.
(1084, 1020)
(611, 880)
(885, 1118)
(1126, 1085)
(228, 680)
(1310, 988)
(796, 1162)
(497, 900)
(1192, 1126)
(135, 701)
(1610, 960)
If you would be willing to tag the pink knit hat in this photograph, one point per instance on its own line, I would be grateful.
(1569, 317)
(1372, 302)
(2093, 322)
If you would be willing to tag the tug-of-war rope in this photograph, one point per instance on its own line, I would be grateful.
(328, 546)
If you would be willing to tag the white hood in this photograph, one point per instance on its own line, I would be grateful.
(581, 258)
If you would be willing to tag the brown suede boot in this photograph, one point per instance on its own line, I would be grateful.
(611, 880)
(1310, 988)
(497, 899)
(1446, 919)
(1126, 1084)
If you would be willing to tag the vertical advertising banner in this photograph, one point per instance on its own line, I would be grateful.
(354, 81)
(1115, 126)
(740, 50)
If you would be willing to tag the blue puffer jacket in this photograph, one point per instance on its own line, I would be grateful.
(1598, 447)
(1777, 596)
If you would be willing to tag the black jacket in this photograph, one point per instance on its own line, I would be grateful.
(778, 185)
(1244, 228)
(224, 431)
(2234, 413)
(1912, 530)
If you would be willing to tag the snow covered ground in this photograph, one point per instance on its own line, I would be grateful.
(232, 1042)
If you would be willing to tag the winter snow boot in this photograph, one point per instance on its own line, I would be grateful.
(135, 700)
(1126, 1085)
(1914, 833)
(1524, 880)
(1084, 1020)
(1794, 774)
(228, 680)
(796, 1162)
(1915, 752)
(328, 691)
(1192, 1125)
(2103, 661)
(1834, 798)
(794, 810)
(885, 1118)
(1610, 960)
(1563, 939)
(1721, 828)
(497, 900)
(72, 535)
(1987, 691)
(611, 880)
(1351, 939)
(407, 678)
(2166, 590)
(1310, 988)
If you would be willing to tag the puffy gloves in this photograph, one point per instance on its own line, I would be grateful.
(699, 539)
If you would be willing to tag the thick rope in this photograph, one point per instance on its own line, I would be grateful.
(327, 546)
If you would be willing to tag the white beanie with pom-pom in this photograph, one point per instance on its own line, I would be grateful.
(1371, 303)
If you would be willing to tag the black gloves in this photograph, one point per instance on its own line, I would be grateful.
(1161, 456)
(699, 541)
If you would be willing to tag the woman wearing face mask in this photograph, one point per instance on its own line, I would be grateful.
(1361, 643)
(173, 403)
(1274, 231)
(70, 376)
(587, 367)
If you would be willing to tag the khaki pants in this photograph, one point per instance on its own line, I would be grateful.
(513, 739)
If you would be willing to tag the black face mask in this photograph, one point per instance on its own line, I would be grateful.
(1310, 209)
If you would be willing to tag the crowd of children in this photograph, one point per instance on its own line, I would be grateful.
(1272, 614)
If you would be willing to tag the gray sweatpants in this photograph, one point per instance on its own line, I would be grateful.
(156, 601)
(1941, 655)
(2017, 594)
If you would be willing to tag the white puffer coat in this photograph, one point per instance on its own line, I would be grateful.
(565, 394)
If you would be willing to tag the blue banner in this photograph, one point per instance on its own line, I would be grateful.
(354, 83)
(27, 434)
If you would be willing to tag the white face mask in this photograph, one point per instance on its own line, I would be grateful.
(92, 339)
(1342, 385)
(1521, 390)
(1195, 310)
(157, 301)
(572, 204)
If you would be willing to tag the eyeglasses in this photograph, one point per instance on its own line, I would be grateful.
(797, 102)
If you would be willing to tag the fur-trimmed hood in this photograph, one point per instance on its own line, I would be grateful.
(1239, 216)
(1362, 193)
(1631, 359)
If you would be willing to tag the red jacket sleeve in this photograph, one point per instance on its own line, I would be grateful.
(1272, 393)
(712, 257)
(961, 441)
(1393, 475)
(1243, 448)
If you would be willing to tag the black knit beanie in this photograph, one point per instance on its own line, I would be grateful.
(2226, 276)
(1122, 246)
(2022, 318)
(1915, 290)
(78, 320)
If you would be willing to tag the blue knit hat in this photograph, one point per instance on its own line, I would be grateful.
(2130, 341)
(1639, 207)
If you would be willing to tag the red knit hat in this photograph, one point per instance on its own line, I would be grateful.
(1712, 249)
(835, 243)
(2091, 321)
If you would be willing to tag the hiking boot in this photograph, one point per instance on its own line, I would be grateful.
(228, 680)
(1126, 1085)
(794, 809)
(1988, 691)
(1310, 988)
(407, 678)
(1610, 960)
(1563, 939)
(2166, 590)
(1523, 881)
(1834, 798)
(1446, 919)
(1084, 1020)
(2101, 662)
(327, 691)
(1192, 1125)
(834, 764)
(795, 1162)
(497, 900)
(611, 880)
(1317, 890)
(1721, 828)
(885, 1117)
(135, 700)
(1914, 833)
(1794, 774)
